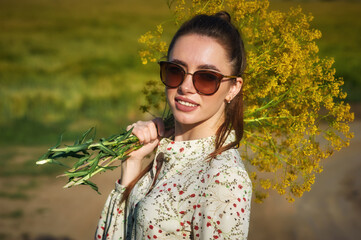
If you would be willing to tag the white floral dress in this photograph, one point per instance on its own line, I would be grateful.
(192, 198)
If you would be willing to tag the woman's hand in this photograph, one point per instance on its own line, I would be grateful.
(149, 134)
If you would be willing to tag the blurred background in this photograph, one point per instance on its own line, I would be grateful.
(69, 65)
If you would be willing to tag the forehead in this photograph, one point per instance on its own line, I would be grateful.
(197, 50)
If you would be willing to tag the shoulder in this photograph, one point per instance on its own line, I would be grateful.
(228, 171)
(228, 161)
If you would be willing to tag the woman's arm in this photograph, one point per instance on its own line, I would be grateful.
(148, 133)
(225, 206)
(112, 220)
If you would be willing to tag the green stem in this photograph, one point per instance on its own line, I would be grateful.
(258, 120)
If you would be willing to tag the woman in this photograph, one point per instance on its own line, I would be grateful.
(197, 187)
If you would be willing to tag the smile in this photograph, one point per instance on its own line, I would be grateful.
(188, 104)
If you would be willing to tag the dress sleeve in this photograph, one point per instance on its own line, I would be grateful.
(111, 222)
(224, 206)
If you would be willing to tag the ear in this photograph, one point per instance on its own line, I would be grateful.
(234, 89)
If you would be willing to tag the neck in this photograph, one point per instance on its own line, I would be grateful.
(185, 132)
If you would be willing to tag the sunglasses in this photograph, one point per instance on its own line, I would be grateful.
(206, 82)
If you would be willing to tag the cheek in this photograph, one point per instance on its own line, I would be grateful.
(170, 93)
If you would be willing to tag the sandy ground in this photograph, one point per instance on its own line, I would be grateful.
(332, 210)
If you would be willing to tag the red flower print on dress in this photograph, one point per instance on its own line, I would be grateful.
(181, 187)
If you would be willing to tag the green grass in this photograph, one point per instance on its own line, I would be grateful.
(68, 65)
(65, 61)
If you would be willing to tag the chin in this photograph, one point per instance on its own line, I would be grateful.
(184, 119)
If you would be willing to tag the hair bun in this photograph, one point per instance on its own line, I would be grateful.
(223, 15)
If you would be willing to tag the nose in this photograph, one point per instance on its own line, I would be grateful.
(187, 84)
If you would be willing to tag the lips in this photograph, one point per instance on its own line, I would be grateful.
(185, 105)
(188, 104)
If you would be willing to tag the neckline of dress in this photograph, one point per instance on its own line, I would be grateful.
(172, 141)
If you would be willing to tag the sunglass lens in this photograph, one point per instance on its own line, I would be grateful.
(206, 82)
(172, 75)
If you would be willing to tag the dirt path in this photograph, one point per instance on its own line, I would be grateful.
(332, 210)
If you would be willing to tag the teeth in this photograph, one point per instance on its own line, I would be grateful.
(188, 104)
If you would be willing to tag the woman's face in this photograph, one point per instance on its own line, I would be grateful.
(195, 52)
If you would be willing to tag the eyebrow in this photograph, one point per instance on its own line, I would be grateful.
(203, 66)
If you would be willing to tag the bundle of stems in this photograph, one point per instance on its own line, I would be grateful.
(93, 157)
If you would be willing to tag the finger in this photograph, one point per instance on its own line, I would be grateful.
(147, 134)
(139, 134)
(129, 127)
(153, 132)
(138, 131)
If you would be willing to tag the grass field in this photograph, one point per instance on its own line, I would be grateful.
(71, 63)
(68, 65)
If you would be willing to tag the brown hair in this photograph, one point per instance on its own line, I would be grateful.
(220, 28)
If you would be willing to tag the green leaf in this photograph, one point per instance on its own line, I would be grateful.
(81, 161)
(107, 150)
(76, 174)
(94, 164)
(85, 135)
(58, 143)
(92, 185)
